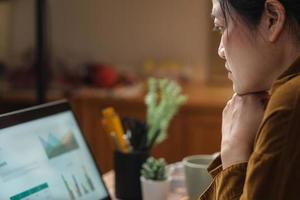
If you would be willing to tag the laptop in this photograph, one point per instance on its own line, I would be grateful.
(44, 156)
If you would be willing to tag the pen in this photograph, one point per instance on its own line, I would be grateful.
(113, 126)
(153, 139)
(111, 134)
(137, 131)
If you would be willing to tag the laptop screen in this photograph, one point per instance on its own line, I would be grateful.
(47, 158)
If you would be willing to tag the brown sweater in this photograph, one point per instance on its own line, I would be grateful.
(273, 170)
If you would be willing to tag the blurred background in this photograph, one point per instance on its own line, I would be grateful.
(99, 53)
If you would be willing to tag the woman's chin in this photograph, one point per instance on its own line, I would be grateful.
(241, 92)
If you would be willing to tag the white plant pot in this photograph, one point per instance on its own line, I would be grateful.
(155, 190)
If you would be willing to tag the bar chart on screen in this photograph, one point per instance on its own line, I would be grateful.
(39, 192)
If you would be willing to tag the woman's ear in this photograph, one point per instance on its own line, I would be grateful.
(274, 19)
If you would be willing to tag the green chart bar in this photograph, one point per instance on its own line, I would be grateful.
(30, 192)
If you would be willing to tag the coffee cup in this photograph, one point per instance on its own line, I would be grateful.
(197, 178)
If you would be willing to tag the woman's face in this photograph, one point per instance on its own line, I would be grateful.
(244, 53)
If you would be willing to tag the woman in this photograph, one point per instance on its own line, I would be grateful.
(260, 148)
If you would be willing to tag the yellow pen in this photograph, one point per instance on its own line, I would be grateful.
(113, 126)
(110, 133)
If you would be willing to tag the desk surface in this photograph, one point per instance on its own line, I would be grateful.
(179, 194)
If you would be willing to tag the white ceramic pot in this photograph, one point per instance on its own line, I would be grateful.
(157, 190)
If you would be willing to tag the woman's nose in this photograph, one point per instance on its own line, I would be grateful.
(221, 50)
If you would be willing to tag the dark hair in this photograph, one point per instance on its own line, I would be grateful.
(251, 12)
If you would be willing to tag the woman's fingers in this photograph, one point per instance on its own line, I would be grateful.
(241, 119)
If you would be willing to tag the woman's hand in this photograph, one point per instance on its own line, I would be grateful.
(241, 119)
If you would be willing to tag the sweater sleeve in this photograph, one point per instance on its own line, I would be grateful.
(231, 180)
(272, 167)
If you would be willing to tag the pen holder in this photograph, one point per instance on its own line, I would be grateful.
(127, 174)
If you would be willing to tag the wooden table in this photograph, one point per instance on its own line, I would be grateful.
(178, 194)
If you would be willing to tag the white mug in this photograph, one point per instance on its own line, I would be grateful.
(197, 178)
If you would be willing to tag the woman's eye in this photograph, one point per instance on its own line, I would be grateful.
(219, 29)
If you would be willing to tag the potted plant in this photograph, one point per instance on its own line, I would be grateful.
(163, 101)
(154, 180)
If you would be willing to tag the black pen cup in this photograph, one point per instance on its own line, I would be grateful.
(127, 174)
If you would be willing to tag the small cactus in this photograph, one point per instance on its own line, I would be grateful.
(154, 169)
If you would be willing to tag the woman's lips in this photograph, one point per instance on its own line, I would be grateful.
(229, 75)
(227, 68)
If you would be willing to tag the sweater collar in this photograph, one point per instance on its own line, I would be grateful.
(290, 73)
